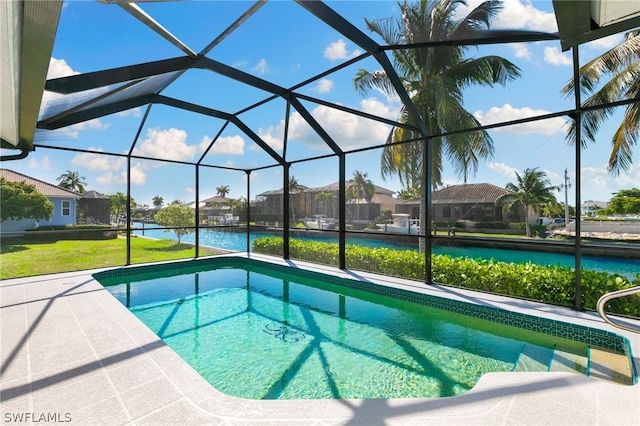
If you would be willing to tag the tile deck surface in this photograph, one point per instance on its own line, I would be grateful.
(71, 353)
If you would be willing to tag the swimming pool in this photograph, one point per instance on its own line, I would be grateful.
(237, 242)
(263, 331)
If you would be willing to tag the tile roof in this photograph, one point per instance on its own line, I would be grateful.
(46, 189)
(469, 193)
(333, 187)
(94, 194)
(216, 199)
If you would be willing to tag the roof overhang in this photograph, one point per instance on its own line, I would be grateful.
(581, 21)
(28, 32)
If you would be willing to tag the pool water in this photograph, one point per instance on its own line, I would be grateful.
(256, 332)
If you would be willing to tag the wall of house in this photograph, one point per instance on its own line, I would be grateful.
(61, 216)
(14, 228)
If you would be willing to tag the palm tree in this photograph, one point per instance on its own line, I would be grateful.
(157, 201)
(622, 63)
(294, 188)
(323, 197)
(222, 190)
(361, 187)
(435, 78)
(533, 191)
(72, 181)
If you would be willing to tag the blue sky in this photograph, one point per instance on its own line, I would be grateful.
(286, 45)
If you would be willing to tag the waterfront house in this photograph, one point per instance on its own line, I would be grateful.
(64, 201)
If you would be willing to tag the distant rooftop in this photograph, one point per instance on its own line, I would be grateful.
(469, 193)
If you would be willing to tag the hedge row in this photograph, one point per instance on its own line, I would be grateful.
(549, 284)
(72, 232)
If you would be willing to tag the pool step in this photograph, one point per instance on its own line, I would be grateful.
(611, 366)
(598, 363)
(568, 362)
(533, 358)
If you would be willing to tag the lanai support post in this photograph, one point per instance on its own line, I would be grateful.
(578, 145)
(248, 207)
(342, 212)
(285, 215)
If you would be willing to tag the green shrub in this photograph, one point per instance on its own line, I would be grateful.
(442, 224)
(492, 225)
(549, 284)
(71, 232)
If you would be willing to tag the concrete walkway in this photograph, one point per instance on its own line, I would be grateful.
(71, 353)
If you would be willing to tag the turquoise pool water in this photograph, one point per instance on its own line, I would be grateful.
(260, 333)
(237, 241)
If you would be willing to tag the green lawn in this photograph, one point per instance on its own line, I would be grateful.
(23, 258)
(481, 234)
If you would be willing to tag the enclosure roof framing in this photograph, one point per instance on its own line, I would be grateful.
(31, 27)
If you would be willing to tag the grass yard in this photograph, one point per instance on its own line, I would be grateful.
(24, 258)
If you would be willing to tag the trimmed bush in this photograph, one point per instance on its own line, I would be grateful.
(549, 284)
(491, 225)
(71, 232)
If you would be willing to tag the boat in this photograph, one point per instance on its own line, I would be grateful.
(400, 223)
(227, 220)
(319, 221)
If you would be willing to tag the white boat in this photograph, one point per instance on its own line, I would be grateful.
(226, 220)
(319, 221)
(400, 223)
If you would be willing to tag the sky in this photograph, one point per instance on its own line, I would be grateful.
(286, 45)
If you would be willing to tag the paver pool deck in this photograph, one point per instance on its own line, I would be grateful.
(70, 352)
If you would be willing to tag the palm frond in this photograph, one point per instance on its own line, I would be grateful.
(386, 29)
(624, 140)
(486, 70)
(610, 62)
(479, 18)
(366, 81)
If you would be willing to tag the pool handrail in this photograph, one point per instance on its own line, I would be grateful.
(613, 295)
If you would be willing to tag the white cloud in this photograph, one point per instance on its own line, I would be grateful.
(134, 112)
(262, 67)
(138, 176)
(324, 85)
(517, 14)
(605, 43)
(349, 131)
(521, 50)
(189, 190)
(42, 163)
(272, 137)
(232, 145)
(338, 50)
(59, 68)
(99, 162)
(118, 176)
(169, 144)
(502, 169)
(599, 185)
(375, 107)
(239, 64)
(553, 56)
(509, 113)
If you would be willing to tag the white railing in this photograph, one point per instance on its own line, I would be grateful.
(614, 295)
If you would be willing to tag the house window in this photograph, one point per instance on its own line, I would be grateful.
(446, 212)
(456, 212)
(66, 208)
